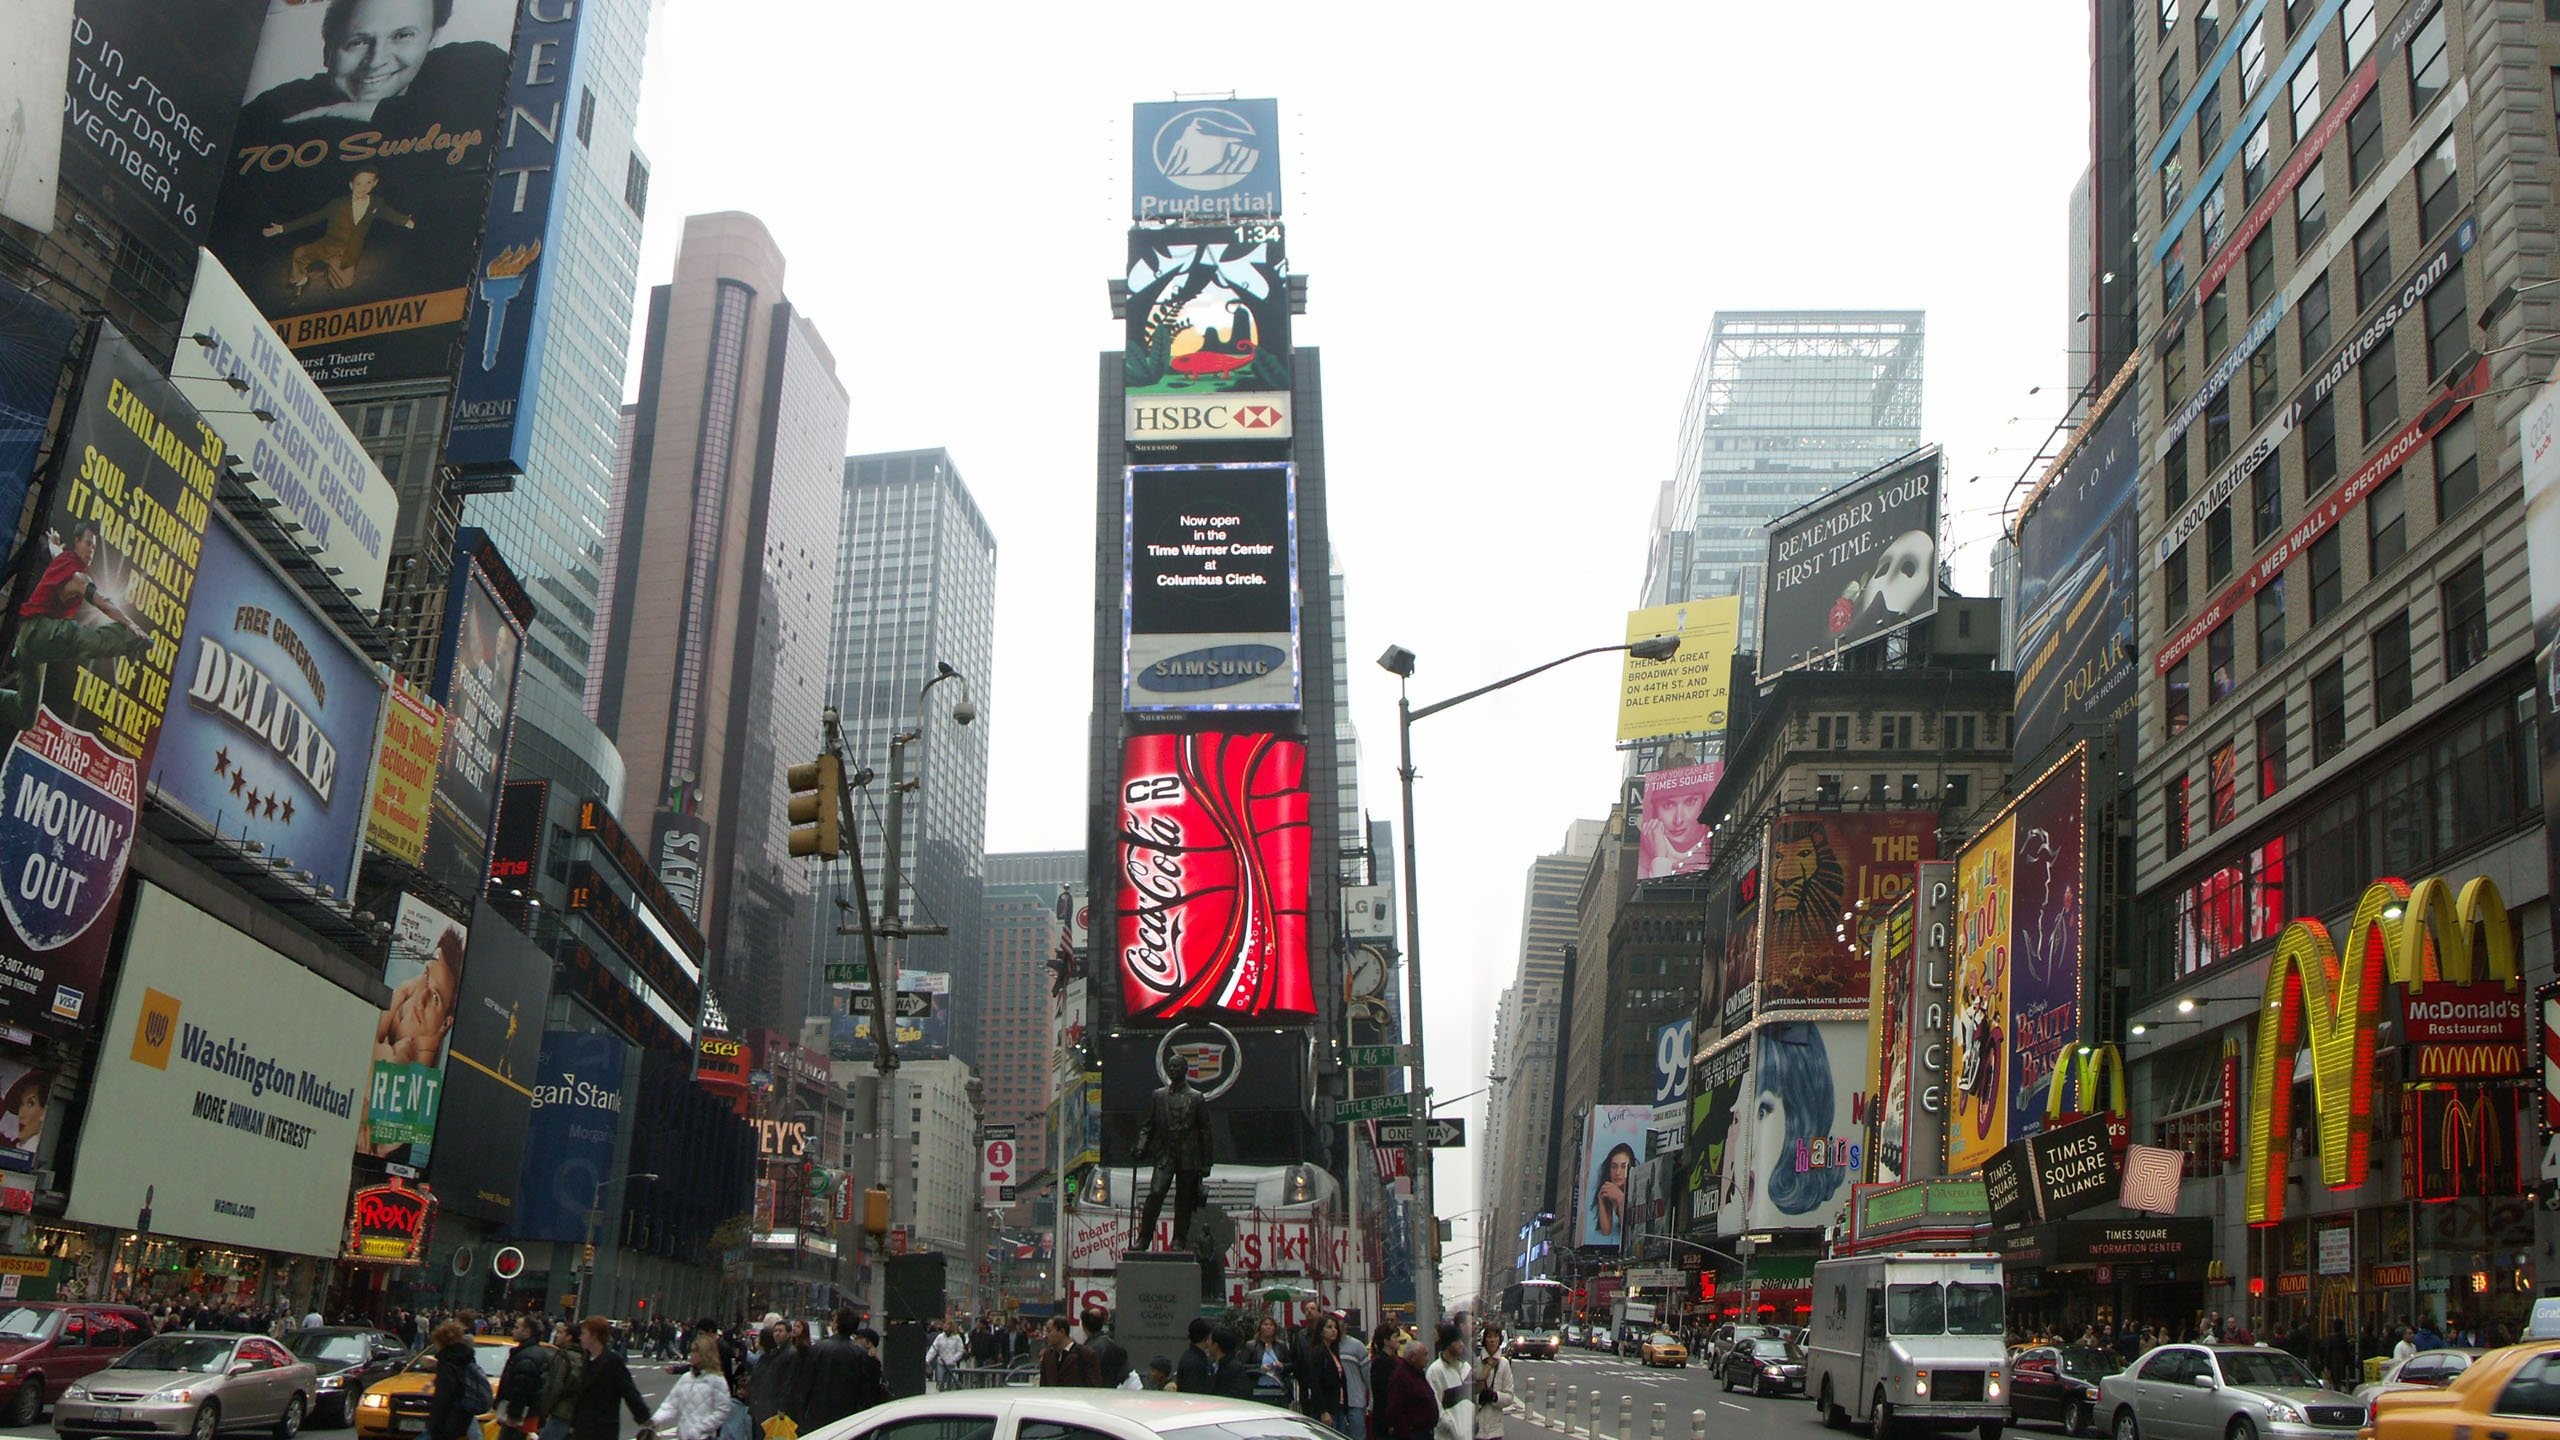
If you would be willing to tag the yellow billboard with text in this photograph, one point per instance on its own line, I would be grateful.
(1688, 693)
(1979, 1016)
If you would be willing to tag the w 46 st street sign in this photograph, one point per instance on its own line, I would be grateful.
(1447, 1132)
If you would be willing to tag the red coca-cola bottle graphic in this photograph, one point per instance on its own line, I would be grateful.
(1213, 876)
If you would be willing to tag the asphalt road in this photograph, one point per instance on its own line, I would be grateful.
(1601, 1382)
(652, 1377)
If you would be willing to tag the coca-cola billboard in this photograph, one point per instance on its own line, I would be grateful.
(1213, 877)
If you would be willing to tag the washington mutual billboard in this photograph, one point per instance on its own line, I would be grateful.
(1859, 563)
(1209, 593)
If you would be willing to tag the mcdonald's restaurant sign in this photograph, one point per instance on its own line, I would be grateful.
(2331, 1003)
(2460, 1140)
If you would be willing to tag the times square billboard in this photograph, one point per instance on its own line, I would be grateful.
(1214, 866)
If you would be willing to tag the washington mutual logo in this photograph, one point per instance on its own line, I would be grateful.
(1213, 668)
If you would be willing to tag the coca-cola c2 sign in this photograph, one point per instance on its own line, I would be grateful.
(1213, 876)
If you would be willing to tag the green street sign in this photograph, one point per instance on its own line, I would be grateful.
(856, 973)
(1378, 1057)
(1372, 1107)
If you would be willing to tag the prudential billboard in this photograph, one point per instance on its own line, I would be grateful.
(1206, 160)
(1859, 563)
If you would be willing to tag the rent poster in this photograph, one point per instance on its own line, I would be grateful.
(424, 970)
(1984, 885)
(1820, 867)
(358, 178)
(2044, 938)
(108, 574)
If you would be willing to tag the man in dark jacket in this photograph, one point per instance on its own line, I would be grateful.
(528, 1365)
(780, 1381)
(1107, 1352)
(608, 1382)
(1066, 1362)
(987, 1347)
(832, 1386)
(1196, 1373)
(448, 1414)
(1230, 1376)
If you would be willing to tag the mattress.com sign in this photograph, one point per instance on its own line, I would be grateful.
(1158, 418)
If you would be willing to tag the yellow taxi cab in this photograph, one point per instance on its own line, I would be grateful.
(396, 1408)
(2509, 1394)
(1664, 1348)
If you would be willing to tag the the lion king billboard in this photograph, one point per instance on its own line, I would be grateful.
(1820, 866)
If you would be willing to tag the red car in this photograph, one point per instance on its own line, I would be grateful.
(46, 1344)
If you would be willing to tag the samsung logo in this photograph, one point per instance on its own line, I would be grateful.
(1213, 668)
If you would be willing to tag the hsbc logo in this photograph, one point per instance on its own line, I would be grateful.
(1250, 416)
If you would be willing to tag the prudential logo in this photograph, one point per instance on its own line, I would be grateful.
(1207, 148)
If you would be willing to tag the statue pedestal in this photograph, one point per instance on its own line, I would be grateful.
(1158, 1294)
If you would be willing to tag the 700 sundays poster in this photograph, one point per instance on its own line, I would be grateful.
(108, 577)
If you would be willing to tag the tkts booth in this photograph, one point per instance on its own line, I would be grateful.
(2412, 1032)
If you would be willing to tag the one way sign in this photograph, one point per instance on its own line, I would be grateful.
(1447, 1132)
(914, 1004)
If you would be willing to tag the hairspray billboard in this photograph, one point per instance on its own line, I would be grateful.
(1820, 866)
(1804, 1116)
(2017, 1003)
(1214, 853)
(1613, 1142)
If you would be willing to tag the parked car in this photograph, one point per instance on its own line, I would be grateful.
(398, 1406)
(2059, 1383)
(1570, 1335)
(1729, 1334)
(191, 1383)
(45, 1345)
(348, 1359)
(2509, 1394)
(2233, 1392)
(1530, 1345)
(2426, 1370)
(1663, 1348)
(1764, 1365)
(1085, 1414)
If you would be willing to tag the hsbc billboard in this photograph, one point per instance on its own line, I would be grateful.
(1157, 419)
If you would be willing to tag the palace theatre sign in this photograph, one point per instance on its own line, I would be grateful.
(2452, 957)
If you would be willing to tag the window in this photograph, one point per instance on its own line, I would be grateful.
(2208, 26)
(1893, 732)
(2328, 577)
(1831, 732)
(2302, 96)
(2358, 23)
(2173, 184)
(2212, 212)
(2222, 775)
(2297, 13)
(2262, 384)
(2534, 1390)
(2466, 619)
(2373, 259)
(635, 188)
(2173, 475)
(2217, 544)
(1960, 732)
(2173, 272)
(2209, 128)
(2439, 185)
(2217, 326)
(2221, 667)
(2253, 162)
(2311, 320)
(586, 116)
(2328, 711)
(2448, 325)
(2168, 15)
(2173, 367)
(2173, 698)
(2320, 444)
(2457, 467)
(1959, 790)
(2173, 583)
(2364, 140)
(2386, 518)
(2173, 88)
(2266, 501)
(2253, 58)
(2430, 67)
(2260, 267)
(2310, 209)
(2378, 378)
(2173, 815)
(2271, 774)
(2271, 621)
(2394, 679)
(936, 1427)
(2217, 428)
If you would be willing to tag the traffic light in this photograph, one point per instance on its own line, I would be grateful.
(816, 819)
(875, 1210)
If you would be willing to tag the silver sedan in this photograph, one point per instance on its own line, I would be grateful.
(192, 1384)
(2224, 1392)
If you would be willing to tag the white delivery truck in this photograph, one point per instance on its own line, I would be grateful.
(1629, 1322)
(1910, 1340)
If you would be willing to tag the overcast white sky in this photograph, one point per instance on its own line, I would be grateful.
(1516, 222)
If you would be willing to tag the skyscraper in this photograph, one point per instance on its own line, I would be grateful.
(915, 588)
(724, 566)
(1019, 928)
(1785, 405)
(1519, 1111)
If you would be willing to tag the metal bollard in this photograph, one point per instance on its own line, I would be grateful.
(1656, 1429)
(1697, 1425)
(1626, 1418)
(1547, 1415)
(1572, 1402)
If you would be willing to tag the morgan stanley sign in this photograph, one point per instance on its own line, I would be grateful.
(1211, 160)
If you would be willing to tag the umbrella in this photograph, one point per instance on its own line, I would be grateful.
(1284, 1290)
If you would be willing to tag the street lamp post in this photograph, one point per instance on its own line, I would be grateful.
(1425, 1227)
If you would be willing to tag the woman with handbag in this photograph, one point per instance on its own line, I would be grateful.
(699, 1405)
(1493, 1384)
